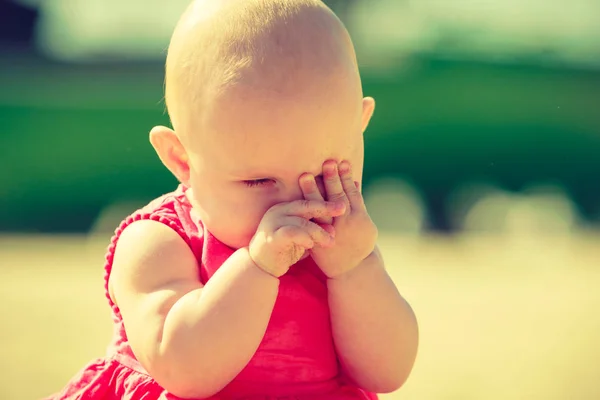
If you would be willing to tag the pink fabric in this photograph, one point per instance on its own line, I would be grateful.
(296, 359)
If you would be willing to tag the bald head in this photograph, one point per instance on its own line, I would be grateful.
(278, 46)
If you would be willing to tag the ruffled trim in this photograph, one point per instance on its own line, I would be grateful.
(108, 379)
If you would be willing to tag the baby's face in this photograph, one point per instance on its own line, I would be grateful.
(259, 94)
(252, 148)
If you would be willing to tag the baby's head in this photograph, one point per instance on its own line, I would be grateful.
(259, 92)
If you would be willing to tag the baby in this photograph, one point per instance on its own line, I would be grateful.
(259, 276)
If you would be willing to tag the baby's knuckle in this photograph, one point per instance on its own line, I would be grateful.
(337, 196)
(306, 204)
(354, 192)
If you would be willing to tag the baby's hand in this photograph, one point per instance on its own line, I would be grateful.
(355, 233)
(285, 233)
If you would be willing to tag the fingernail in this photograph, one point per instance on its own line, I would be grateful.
(307, 178)
(331, 167)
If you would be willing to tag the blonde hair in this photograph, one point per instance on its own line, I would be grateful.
(219, 41)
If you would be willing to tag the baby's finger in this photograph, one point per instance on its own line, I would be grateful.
(312, 208)
(296, 235)
(328, 228)
(309, 187)
(333, 184)
(350, 186)
(311, 191)
(317, 233)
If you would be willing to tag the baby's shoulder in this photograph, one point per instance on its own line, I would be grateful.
(149, 253)
(157, 243)
(164, 228)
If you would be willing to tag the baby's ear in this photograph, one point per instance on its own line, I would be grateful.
(171, 152)
(367, 113)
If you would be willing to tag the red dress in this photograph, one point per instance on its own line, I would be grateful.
(295, 360)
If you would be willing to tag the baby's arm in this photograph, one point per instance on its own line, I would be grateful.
(193, 340)
(374, 328)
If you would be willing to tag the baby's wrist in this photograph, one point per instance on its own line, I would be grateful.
(261, 267)
(349, 271)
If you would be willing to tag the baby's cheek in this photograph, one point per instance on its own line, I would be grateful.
(250, 219)
(248, 215)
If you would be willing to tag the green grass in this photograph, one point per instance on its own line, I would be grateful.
(500, 317)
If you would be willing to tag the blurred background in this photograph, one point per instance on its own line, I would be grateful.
(482, 172)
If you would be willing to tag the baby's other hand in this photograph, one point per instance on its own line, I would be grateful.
(355, 232)
(286, 232)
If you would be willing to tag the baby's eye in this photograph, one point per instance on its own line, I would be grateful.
(258, 182)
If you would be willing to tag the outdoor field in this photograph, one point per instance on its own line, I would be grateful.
(501, 317)
(481, 169)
